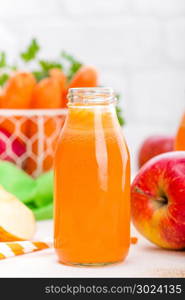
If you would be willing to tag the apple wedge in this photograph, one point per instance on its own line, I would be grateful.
(17, 221)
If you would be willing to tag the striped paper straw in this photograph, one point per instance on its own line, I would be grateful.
(12, 249)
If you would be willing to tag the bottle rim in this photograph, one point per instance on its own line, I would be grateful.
(91, 96)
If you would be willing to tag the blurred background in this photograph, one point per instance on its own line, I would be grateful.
(138, 47)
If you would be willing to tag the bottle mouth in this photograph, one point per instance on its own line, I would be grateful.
(91, 96)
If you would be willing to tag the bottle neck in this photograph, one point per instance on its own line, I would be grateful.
(91, 106)
(89, 117)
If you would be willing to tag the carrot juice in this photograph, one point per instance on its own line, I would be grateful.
(92, 182)
(180, 137)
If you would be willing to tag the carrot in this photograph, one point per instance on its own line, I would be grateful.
(86, 76)
(59, 75)
(17, 93)
(46, 95)
(61, 78)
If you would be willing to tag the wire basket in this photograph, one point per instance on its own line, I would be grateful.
(28, 137)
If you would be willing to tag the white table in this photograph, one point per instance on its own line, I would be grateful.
(144, 260)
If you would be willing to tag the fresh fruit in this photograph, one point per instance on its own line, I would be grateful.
(17, 221)
(158, 200)
(69, 72)
(60, 77)
(17, 92)
(154, 145)
(10, 146)
(47, 94)
(86, 76)
(45, 86)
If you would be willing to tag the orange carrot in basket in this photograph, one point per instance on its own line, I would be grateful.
(17, 93)
(86, 76)
(46, 94)
(61, 78)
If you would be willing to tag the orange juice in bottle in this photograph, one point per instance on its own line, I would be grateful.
(92, 182)
(180, 137)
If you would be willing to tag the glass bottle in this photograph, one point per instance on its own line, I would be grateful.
(92, 182)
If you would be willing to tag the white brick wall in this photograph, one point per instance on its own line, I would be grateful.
(160, 94)
(18, 8)
(138, 46)
(121, 41)
(163, 8)
(175, 40)
(100, 7)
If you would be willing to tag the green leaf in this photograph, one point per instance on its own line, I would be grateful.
(17, 182)
(68, 57)
(39, 75)
(74, 65)
(44, 212)
(47, 65)
(31, 51)
(44, 189)
(3, 78)
(4, 64)
(120, 116)
(3, 60)
(13, 68)
(119, 111)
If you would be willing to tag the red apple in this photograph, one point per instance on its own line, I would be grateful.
(154, 145)
(158, 200)
(11, 147)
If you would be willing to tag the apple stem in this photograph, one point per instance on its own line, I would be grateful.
(145, 193)
(161, 199)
